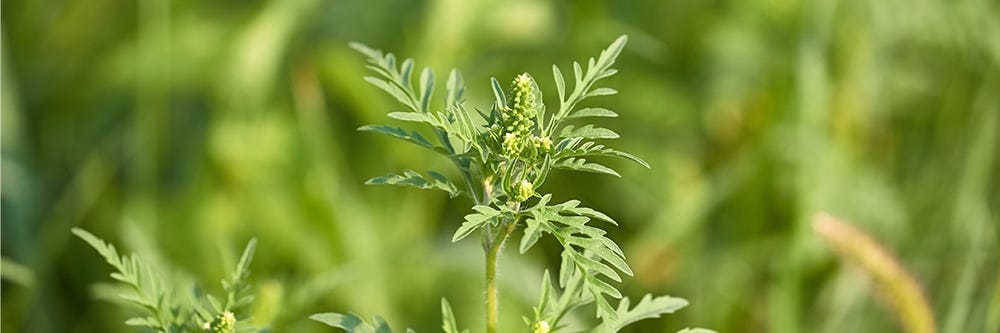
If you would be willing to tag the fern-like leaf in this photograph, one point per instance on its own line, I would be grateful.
(146, 290)
(584, 81)
(585, 248)
(648, 307)
(587, 132)
(414, 179)
(577, 147)
(580, 164)
(484, 214)
(237, 288)
(402, 134)
(352, 323)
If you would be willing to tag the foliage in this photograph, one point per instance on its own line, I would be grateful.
(504, 157)
(166, 309)
(210, 122)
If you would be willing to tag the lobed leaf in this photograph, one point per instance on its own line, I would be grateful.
(585, 249)
(647, 308)
(475, 221)
(532, 232)
(352, 323)
(402, 134)
(414, 179)
(576, 147)
(395, 91)
(579, 164)
(145, 292)
(587, 132)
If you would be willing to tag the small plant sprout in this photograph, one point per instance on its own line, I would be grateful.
(503, 157)
(169, 310)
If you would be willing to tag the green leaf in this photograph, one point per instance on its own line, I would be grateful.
(455, 88)
(532, 232)
(364, 49)
(414, 179)
(405, 69)
(596, 70)
(610, 256)
(601, 92)
(402, 134)
(606, 73)
(593, 112)
(448, 317)
(566, 267)
(381, 326)
(237, 287)
(604, 309)
(576, 147)
(426, 88)
(580, 164)
(146, 288)
(647, 308)
(588, 132)
(350, 322)
(600, 287)
(585, 249)
(144, 322)
(475, 221)
(588, 212)
(578, 74)
(609, 55)
(696, 330)
(544, 294)
(393, 90)
(560, 82)
(413, 117)
(501, 101)
(396, 81)
(591, 266)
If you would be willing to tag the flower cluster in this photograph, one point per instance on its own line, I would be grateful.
(523, 191)
(516, 120)
(540, 327)
(224, 323)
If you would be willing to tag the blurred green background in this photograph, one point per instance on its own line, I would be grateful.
(180, 129)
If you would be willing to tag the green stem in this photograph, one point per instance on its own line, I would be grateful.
(492, 253)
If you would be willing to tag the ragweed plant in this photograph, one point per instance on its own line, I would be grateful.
(166, 304)
(503, 156)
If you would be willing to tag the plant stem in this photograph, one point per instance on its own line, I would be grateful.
(492, 253)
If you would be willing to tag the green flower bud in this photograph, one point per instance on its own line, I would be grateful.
(517, 119)
(523, 191)
(543, 144)
(540, 327)
(511, 145)
(224, 323)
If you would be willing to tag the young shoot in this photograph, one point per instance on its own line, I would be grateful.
(503, 157)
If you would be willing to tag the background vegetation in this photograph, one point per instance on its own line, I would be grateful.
(180, 129)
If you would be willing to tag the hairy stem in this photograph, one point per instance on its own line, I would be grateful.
(492, 253)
